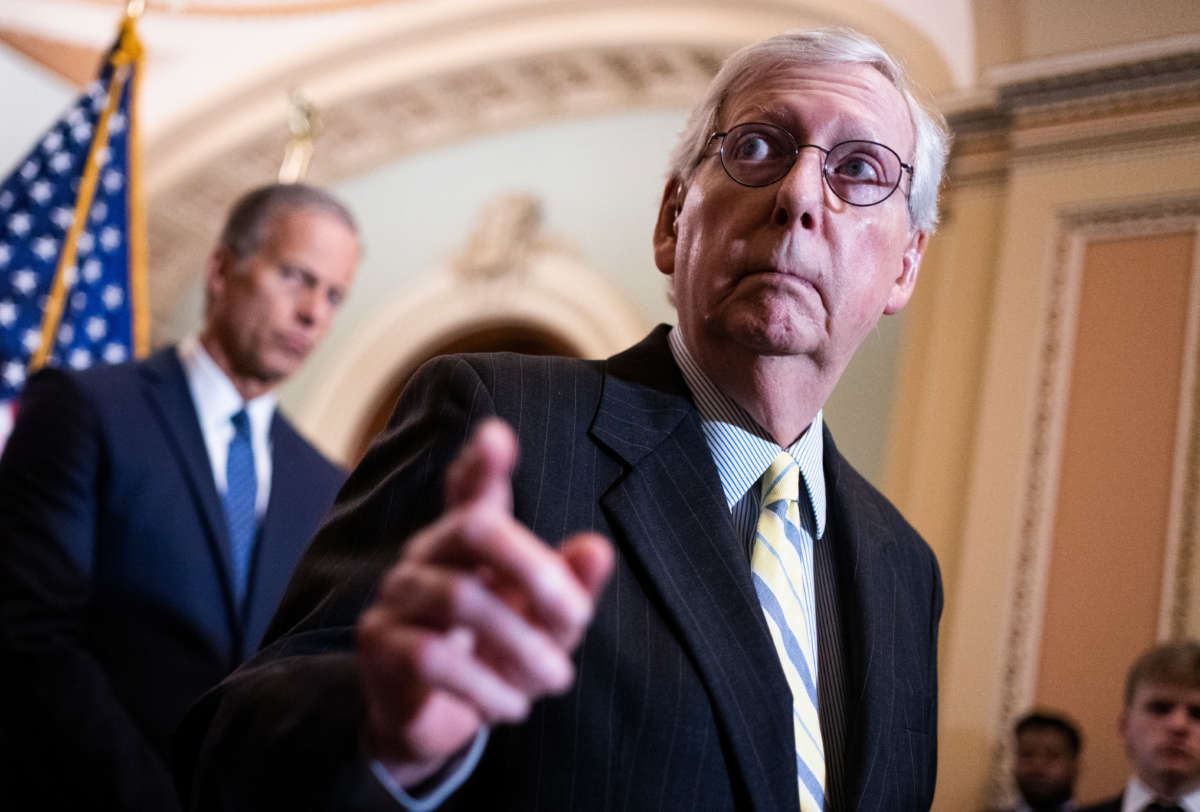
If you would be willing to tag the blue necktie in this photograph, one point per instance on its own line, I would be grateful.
(241, 487)
(781, 567)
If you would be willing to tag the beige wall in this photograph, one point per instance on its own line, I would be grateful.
(1055, 333)
(1104, 584)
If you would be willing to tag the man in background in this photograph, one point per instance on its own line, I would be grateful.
(1160, 727)
(767, 638)
(1046, 762)
(151, 514)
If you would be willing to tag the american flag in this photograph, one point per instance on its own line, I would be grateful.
(72, 244)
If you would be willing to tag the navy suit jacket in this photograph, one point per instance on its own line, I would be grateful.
(116, 611)
(679, 701)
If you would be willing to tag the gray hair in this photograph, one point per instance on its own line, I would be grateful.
(248, 221)
(822, 47)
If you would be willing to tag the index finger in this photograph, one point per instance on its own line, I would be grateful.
(529, 574)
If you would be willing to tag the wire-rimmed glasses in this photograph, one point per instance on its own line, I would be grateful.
(862, 173)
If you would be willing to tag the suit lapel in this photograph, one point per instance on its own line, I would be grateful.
(867, 582)
(669, 514)
(166, 389)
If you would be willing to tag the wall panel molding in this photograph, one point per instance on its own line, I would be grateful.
(1075, 229)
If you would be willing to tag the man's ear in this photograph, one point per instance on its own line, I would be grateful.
(665, 228)
(910, 264)
(216, 274)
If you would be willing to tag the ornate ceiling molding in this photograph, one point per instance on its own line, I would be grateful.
(245, 8)
(1091, 105)
(365, 131)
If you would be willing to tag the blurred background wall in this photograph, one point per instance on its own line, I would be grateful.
(1034, 411)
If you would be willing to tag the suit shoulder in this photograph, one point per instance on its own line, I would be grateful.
(512, 375)
(303, 453)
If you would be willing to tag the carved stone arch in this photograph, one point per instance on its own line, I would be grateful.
(437, 75)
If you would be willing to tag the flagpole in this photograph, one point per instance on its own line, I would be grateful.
(125, 59)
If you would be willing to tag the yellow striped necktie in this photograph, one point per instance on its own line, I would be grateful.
(782, 569)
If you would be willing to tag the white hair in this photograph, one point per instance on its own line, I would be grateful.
(822, 47)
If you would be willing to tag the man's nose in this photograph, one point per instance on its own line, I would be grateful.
(312, 308)
(802, 194)
(1178, 718)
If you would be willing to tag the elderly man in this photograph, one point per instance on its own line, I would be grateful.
(767, 635)
(151, 514)
(1160, 726)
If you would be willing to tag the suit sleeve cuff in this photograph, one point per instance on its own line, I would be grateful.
(433, 792)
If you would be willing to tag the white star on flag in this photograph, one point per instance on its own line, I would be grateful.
(110, 238)
(62, 217)
(20, 223)
(81, 132)
(79, 358)
(85, 244)
(41, 191)
(53, 141)
(30, 169)
(91, 270)
(14, 373)
(32, 339)
(61, 162)
(113, 181)
(115, 353)
(25, 281)
(96, 328)
(99, 211)
(112, 297)
(66, 334)
(8, 313)
(5, 255)
(46, 248)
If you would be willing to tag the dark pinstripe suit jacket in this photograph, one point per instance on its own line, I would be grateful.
(679, 702)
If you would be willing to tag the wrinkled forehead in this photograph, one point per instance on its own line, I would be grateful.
(770, 86)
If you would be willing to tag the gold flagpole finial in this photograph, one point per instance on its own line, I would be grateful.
(302, 123)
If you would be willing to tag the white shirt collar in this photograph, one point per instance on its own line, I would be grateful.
(1138, 795)
(740, 447)
(215, 396)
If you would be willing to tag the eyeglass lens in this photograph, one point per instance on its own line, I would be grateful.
(862, 173)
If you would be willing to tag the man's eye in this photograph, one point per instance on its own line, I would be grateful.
(1159, 708)
(290, 273)
(857, 168)
(753, 147)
